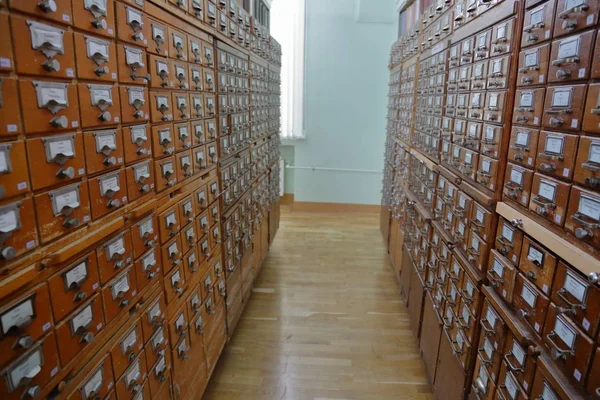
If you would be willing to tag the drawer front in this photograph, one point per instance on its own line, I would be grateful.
(538, 24)
(126, 349)
(464, 78)
(483, 43)
(175, 283)
(40, 361)
(482, 221)
(10, 116)
(132, 65)
(199, 159)
(133, 25)
(55, 160)
(542, 387)
(36, 58)
(172, 253)
(501, 275)
(189, 237)
(159, 376)
(470, 295)
(147, 268)
(169, 223)
(103, 150)
(113, 256)
(162, 73)
(157, 345)
(107, 193)
(119, 293)
(133, 380)
(184, 164)
(519, 361)
(529, 106)
(570, 347)
(153, 324)
(537, 264)
(533, 65)
(502, 37)
(99, 105)
(164, 140)
(98, 383)
(487, 173)
(508, 387)
(577, 298)
(495, 105)
(483, 384)
(556, 154)
(574, 16)
(587, 166)
(523, 146)
(161, 107)
(201, 199)
(571, 57)
(477, 251)
(181, 106)
(178, 44)
(492, 142)
(61, 211)
(187, 211)
(96, 58)
(178, 325)
(59, 11)
(517, 184)
(582, 216)
(14, 170)
(140, 179)
(24, 321)
(182, 79)
(498, 72)
(492, 326)
(164, 172)
(157, 43)
(549, 198)
(593, 386)
(467, 323)
(80, 329)
(530, 304)
(563, 107)
(454, 57)
(73, 285)
(591, 119)
(135, 105)
(467, 50)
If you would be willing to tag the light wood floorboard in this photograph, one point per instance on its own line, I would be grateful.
(325, 320)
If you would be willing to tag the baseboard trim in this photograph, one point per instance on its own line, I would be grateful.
(308, 206)
(287, 199)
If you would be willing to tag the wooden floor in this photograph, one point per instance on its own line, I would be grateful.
(325, 320)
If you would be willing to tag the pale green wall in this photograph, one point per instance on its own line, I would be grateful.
(346, 80)
(287, 153)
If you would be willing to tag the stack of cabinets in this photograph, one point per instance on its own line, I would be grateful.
(117, 220)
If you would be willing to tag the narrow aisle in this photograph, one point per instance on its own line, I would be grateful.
(325, 320)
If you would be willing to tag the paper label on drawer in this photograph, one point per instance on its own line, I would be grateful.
(116, 248)
(94, 384)
(488, 349)
(507, 233)
(529, 296)
(18, 315)
(134, 373)
(28, 368)
(176, 278)
(567, 334)
(486, 165)
(537, 16)
(5, 62)
(83, 319)
(554, 144)
(574, 123)
(547, 190)
(76, 275)
(161, 366)
(518, 352)
(482, 376)
(134, 56)
(511, 386)
(129, 342)
(575, 287)
(110, 185)
(466, 316)
(101, 95)
(561, 97)
(46, 38)
(68, 199)
(158, 33)
(491, 317)
(134, 16)
(594, 154)
(459, 340)
(173, 250)
(568, 48)
(180, 321)
(589, 206)
(171, 219)
(60, 147)
(531, 59)
(158, 338)
(548, 393)
(149, 261)
(535, 255)
(526, 99)
(120, 287)
(105, 141)
(146, 227)
(480, 216)
(9, 219)
(141, 172)
(498, 268)
(136, 95)
(154, 311)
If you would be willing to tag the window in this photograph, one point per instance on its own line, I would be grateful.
(288, 27)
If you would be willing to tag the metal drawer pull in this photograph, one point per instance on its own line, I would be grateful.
(556, 352)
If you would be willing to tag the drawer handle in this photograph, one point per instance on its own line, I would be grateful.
(455, 350)
(480, 388)
(487, 331)
(486, 361)
(86, 337)
(556, 352)
(547, 167)
(591, 166)
(553, 111)
(572, 307)
(495, 279)
(543, 203)
(578, 9)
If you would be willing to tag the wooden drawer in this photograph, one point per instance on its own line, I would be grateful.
(203, 222)
(153, 321)
(49, 106)
(175, 283)
(119, 293)
(201, 199)
(198, 131)
(467, 50)
(162, 72)
(538, 24)
(574, 16)
(563, 107)
(165, 173)
(181, 78)
(476, 105)
(178, 46)
(538, 265)
(140, 180)
(487, 173)
(587, 166)
(99, 105)
(495, 106)
(501, 274)
(523, 146)
(533, 65)
(158, 38)
(133, 381)
(502, 37)
(577, 298)
(147, 268)
(591, 119)
(113, 255)
(132, 65)
(181, 106)
(529, 106)
(49, 51)
(508, 387)
(530, 304)
(163, 140)
(545, 384)
(133, 25)
(520, 360)
(517, 184)
(107, 193)
(24, 321)
(593, 386)
(103, 150)
(10, 116)
(477, 251)
(56, 159)
(157, 346)
(59, 211)
(470, 295)
(162, 108)
(41, 362)
(196, 106)
(95, 17)
(583, 218)
(171, 253)
(187, 212)
(99, 382)
(135, 106)
(184, 165)
(14, 170)
(178, 325)
(205, 249)
(569, 346)
(461, 347)
(464, 78)
(189, 236)
(96, 58)
(549, 198)
(183, 137)
(483, 44)
(80, 329)
(195, 48)
(556, 154)
(126, 348)
(492, 326)
(482, 221)
(209, 83)
(571, 57)
(199, 158)
(466, 322)
(483, 384)
(498, 73)
(73, 285)
(159, 376)
(144, 235)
